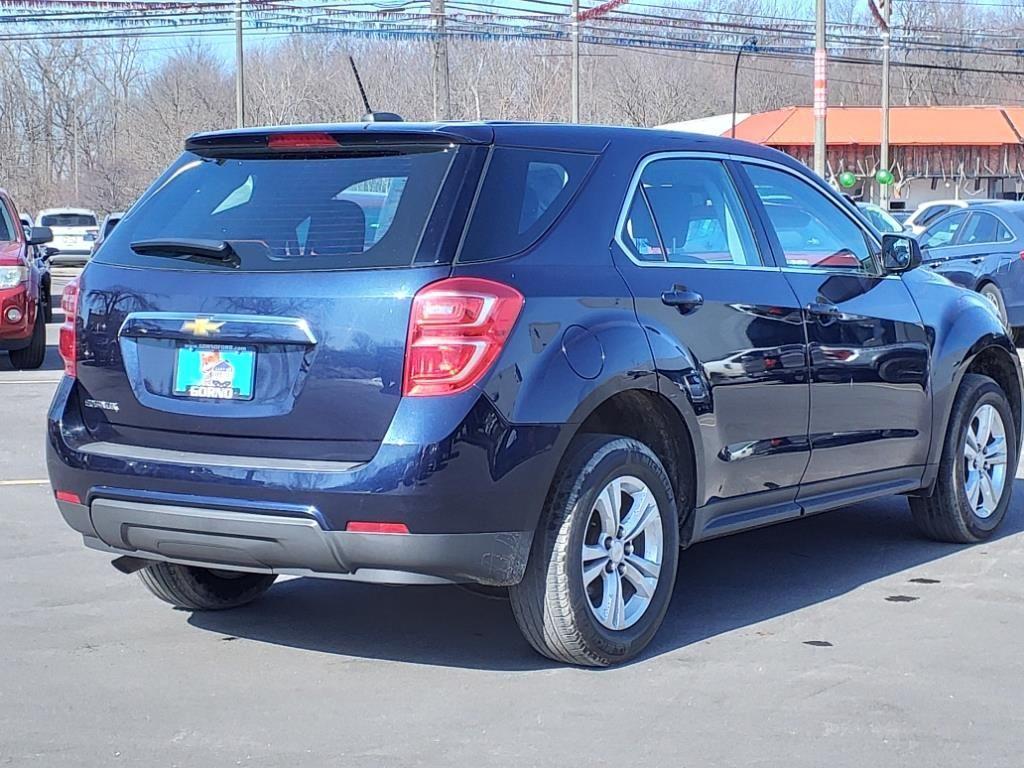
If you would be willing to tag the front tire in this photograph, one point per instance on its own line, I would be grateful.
(203, 589)
(976, 473)
(31, 357)
(604, 557)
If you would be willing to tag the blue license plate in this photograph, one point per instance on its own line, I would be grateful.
(214, 371)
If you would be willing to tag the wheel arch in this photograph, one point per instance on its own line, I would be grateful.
(652, 418)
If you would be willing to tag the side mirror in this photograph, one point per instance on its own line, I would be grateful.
(40, 236)
(900, 253)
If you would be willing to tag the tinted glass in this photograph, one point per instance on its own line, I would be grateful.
(697, 212)
(811, 229)
(6, 224)
(109, 225)
(523, 192)
(68, 220)
(356, 210)
(639, 233)
(984, 228)
(943, 231)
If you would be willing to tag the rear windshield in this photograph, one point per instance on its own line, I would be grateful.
(68, 220)
(361, 209)
(523, 193)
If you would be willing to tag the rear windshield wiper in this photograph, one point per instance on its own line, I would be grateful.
(191, 249)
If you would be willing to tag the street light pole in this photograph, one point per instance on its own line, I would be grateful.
(751, 42)
(820, 89)
(239, 67)
(575, 29)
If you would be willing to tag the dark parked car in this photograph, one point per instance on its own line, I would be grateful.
(562, 354)
(982, 248)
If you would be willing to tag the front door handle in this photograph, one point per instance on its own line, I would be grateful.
(977, 260)
(822, 309)
(683, 299)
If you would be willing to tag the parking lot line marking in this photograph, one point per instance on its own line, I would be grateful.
(24, 482)
(29, 381)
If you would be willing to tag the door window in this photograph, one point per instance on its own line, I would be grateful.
(931, 214)
(6, 224)
(943, 232)
(984, 228)
(687, 211)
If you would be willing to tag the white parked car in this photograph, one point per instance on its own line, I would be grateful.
(74, 232)
(929, 212)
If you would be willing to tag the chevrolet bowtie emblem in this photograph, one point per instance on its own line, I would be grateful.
(201, 326)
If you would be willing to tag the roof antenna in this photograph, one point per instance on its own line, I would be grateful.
(371, 116)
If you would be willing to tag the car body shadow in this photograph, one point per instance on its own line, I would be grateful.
(722, 585)
(52, 361)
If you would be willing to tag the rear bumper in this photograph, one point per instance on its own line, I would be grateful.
(469, 487)
(266, 543)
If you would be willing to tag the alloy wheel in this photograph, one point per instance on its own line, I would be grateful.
(985, 461)
(623, 550)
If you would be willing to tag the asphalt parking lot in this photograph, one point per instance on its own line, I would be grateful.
(840, 640)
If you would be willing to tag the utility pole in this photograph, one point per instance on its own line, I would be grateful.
(575, 61)
(239, 66)
(884, 190)
(442, 95)
(820, 89)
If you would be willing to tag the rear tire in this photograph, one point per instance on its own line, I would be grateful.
(32, 356)
(588, 596)
(950, 514)
(203, 589)
(993, 294)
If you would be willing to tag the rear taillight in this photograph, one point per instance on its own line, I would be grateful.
(456, 332)
(67, 343)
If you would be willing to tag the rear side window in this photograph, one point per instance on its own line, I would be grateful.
(360, 209)
(697, 216)
(523, 192)
(68, 220)
(984, 228)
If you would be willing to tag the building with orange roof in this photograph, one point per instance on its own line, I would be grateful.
(935, 152)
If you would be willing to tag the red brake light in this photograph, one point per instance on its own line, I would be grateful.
(457, 330)
(301, 141)
(360, 527)
(67, 343)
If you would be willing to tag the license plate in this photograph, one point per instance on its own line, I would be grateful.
(214, 371)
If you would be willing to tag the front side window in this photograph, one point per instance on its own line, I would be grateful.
(943, 232)
(811, 229)
(687, 211)
(6, 224)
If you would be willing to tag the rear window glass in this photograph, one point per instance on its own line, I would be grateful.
(523, 192)
(68, 220)
(362, 209)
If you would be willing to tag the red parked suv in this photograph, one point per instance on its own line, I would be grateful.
(24, 288)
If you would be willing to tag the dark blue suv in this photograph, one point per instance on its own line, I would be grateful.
(538, 357)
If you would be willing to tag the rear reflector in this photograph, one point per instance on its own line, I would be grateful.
(68, 496)
(301, 141)
(67, 341)
(358, 527)
(457, 330)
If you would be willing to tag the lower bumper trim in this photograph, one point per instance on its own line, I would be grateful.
(233, 540)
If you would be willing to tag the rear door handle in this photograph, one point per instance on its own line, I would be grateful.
(822, 309)
(977, 260)
(683, 299)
